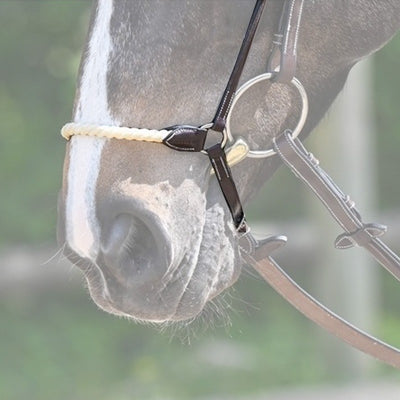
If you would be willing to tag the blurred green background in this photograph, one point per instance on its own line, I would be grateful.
(54, 343)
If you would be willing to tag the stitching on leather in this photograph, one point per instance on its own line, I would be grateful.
(304, 179)
(216, 169)
(249, 243)
(166, 141)
(289, 27)
(357, 223)
(298, 28)
(304, 159)
(224, 102)
(224, 166)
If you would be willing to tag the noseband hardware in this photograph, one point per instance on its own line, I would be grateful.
(248, 85)
(281, 68)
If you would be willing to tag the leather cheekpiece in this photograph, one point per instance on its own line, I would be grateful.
(223, 173)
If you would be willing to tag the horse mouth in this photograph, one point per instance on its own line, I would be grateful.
(173, 293)
(148, 303)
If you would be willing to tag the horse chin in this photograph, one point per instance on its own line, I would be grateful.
(211, 266)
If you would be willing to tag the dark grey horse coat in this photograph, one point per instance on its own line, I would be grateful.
(147, 225)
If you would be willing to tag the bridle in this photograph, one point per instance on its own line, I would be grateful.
(226, 151)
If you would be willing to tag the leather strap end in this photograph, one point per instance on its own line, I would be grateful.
(260, 249)
(360, 237)
(223, 174)
(186, 138)
(287, 69)
(218, 124)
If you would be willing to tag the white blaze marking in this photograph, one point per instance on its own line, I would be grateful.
(82, 228)
(81, 225)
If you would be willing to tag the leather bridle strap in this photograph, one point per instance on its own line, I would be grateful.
(216, 152)
(318, 313)
(283, 54)
(305, 166)
(221, 115)
(223, 173)
(257, 253)
(189, 138)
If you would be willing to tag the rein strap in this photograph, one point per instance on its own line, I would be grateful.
(304, 165)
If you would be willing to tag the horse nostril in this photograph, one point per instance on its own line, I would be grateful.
(132, 251)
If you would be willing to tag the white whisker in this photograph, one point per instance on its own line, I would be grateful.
(58, 253)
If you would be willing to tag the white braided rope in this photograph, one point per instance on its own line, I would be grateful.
(114, 132)
(235, 154)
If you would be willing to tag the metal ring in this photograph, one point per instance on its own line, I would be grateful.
(225, 135)
(265, 77)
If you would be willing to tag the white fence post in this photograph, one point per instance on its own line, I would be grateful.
(347, 280)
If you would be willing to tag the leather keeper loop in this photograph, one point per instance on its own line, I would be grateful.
(360, 237)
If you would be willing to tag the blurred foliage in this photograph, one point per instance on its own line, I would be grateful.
(387, 101)
(57, 345)
(40, 47)
(65, 349)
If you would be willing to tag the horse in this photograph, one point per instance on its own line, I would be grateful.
(149, 227)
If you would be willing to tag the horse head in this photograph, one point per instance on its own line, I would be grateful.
(149, 226)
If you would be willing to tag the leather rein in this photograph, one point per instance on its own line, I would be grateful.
(281, 68)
